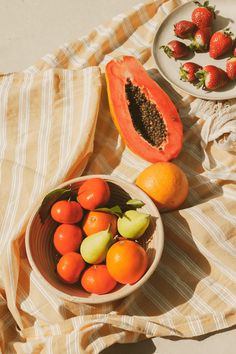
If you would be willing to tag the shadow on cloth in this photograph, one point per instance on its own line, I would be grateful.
(145, 346)
(175, 276)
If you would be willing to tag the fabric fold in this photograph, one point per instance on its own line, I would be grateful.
(218, 136)
(48, 129)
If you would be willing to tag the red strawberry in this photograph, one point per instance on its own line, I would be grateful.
(231, 68)
(200, 42)
(187, 71)
(176, 49)
(203, 15)
(185, 29)
(211, 78)
(220, 43)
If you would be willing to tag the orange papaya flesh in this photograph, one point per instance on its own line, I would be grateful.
(142, 111)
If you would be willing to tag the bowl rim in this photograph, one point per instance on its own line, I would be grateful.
(112, 296)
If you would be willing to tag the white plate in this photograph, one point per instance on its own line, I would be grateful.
(169, 68)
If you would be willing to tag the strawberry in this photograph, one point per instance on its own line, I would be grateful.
(231, 68)
(176, 49)
(201, 39)
(211, 78)
(187, 71)
(203, 15)
(185, 29)
(220, 43)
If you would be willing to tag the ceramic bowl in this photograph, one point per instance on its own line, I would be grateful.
(43, 257)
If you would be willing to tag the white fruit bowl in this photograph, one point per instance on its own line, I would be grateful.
(43, 257)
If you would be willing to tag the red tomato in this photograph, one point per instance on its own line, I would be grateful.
(97, 280)
(96, 221)
(93, 193)
(67, 212)
(70, 267)
(67, 238)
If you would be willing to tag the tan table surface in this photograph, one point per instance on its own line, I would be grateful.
(33, 28)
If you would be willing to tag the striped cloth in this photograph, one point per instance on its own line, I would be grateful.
(55, 124)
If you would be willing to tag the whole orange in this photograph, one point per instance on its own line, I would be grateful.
(126, 261)
(67, 212)
(97, 280)
(70, 267)
(165, 183)
(67, 238)
(93, 193)
(96, 221)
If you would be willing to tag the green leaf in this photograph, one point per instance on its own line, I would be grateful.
(136, 203)
(116, 210)
(50, 199)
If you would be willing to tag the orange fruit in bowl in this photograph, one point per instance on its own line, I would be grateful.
(67, 238)
(165, 183)
(93, 193)
(66, 212)
(70, 266)
(126, 261)
(96, 221)
(97, 280)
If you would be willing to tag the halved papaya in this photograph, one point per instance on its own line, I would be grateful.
(143, 113)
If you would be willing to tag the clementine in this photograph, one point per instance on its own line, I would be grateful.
(97, 280)
(126, 261)
(165, 183)
(67, 212)
(96, 221)
(70, 267)
(67, 238)
(93, 193)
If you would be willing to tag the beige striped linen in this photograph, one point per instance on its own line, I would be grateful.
(55, 124)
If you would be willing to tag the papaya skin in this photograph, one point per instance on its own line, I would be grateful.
(116, 73)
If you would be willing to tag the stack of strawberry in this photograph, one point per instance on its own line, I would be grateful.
(200, 32)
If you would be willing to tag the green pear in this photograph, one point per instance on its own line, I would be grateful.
(133, 224)
(94, 248)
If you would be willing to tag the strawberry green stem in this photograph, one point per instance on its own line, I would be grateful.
(167, 50)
